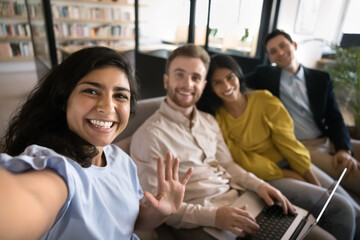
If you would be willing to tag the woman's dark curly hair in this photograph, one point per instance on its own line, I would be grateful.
(42, 118)
(209, 101)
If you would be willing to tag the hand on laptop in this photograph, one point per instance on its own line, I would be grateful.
(272, 195)
(236, 220)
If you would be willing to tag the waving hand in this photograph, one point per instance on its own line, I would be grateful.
(170, 192)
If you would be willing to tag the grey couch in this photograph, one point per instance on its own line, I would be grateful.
(144, 109)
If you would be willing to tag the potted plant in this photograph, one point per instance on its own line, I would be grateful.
(345, 70)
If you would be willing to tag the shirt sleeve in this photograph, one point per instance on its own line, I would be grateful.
(256, 163)
(152, 146)
(283, 137)
(38, 158)
(240, 176)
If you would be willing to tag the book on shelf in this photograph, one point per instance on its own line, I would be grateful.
(15, 30)
(113, 31)
(88, 13)
(21, 49)
(5, 50)
(63, 30)
(26, 49)
(35, 9)
(11, 8)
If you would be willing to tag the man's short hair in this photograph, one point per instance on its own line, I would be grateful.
(276, 33)
(189, 50)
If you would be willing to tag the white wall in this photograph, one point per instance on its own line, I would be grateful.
(326, 26)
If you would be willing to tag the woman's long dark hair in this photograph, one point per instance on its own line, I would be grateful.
(209, 101)
(42, 118)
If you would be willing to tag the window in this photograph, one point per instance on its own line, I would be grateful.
(163, 24)
(352, 17)
(351, 31)
(234, 26)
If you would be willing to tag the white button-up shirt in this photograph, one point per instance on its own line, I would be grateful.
(216, 178)
(293, 94)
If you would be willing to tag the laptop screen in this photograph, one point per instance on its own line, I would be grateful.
(320, 206)
(318, 210)
(323, 202)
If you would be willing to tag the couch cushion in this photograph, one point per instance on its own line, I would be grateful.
(144, 109)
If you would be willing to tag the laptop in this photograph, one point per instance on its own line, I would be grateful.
(299, 225)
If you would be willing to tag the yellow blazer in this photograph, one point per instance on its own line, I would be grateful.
(263, 136)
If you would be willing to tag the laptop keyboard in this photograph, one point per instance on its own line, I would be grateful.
(273, 223)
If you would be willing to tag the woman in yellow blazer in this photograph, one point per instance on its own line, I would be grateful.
(256, 126)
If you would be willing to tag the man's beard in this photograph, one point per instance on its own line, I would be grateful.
(173, 96)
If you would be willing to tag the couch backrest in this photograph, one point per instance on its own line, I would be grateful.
(144, 109)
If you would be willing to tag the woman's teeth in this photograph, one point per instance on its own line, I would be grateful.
(98, 123)
(228, 92)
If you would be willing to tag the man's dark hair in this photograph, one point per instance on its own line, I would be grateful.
(276, 33)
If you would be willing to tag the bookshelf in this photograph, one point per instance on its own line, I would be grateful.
(83, 23)
(15, 35)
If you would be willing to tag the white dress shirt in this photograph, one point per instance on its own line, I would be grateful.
(216, 178)
(293, 94)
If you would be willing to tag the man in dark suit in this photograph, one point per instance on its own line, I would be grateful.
(309, 97)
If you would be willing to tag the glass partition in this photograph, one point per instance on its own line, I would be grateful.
(44, 50)
(201, 13)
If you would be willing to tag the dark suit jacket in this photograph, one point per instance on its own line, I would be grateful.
(321, 98)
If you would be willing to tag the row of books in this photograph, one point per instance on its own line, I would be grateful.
(15, 30)
(35, 9)
(20, 49)
(84, 30)
(91, 13)
(114, 31)
(11, 8)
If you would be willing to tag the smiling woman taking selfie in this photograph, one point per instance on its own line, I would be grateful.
(60, 176)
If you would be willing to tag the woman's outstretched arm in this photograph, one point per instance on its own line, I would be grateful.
(29, 203)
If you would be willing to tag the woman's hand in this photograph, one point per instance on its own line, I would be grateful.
(170, 191)
(269, 194)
